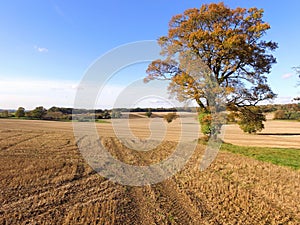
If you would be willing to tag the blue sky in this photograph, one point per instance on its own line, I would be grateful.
(47, 46)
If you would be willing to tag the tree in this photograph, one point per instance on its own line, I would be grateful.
(280, 115)
(38, 113)
(170, 117)
(116, 114)
(54, 115)
(148, 113)
(106, 114)
(20, 112)
(4, 114)
(288, 112)
(228, 43)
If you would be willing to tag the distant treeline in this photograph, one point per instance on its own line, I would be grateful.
(288, 112)
(281, 111)
(68, 114)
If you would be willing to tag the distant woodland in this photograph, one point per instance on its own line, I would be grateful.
(281, 112)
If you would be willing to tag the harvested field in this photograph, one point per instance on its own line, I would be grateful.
(283, 134)
(44, 180)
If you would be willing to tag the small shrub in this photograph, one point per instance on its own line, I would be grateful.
(205, 122)
(170, 117)
(149, 113)
(280, 115)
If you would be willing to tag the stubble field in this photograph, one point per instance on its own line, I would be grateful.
(44, 180)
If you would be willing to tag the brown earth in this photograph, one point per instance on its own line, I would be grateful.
(44, 180)
(283, 134)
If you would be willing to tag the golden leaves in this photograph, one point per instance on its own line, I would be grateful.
(227, 41)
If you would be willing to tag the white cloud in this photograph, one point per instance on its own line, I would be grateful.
(283, 100)
(30, 93)
(41, 49)
(33, 92)
(287, 76)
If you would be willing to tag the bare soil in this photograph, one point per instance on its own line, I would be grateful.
(44, 180)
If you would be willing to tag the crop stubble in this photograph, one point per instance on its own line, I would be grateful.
(44, 180)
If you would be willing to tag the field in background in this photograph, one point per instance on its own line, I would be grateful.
(277, 133)
(43, 179)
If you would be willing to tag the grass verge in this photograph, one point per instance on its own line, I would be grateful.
(289, 157)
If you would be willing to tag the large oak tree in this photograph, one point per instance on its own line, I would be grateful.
(229, 43)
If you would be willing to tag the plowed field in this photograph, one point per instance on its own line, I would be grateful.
(44, 180)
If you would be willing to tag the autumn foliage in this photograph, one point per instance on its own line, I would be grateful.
(219, 42)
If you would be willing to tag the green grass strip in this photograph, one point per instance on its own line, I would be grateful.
(289, 157)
